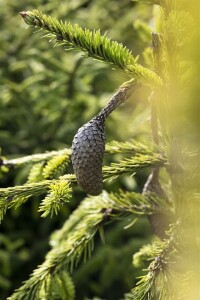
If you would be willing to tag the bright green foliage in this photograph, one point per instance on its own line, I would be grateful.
(59, 194)
(35, 173)
(35, 158)
(133, 164)
(96, 45)
(14, 197)
(59, 286)
(138, 204)
(129, 147)
(55, 167)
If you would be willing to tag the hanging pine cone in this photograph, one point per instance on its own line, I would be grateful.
(87, 154)
(89, 144)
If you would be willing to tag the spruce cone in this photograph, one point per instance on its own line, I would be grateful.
(89, 144)
(87, 155)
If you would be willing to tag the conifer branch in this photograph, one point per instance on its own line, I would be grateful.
(34, 158)
(66, 255)
(138, 204)
(161, 254)
(74, 239)
(35, 173)
(63, 287)
(131, 146)
(59, 286)
(16, 196)
(133, 164)
(93, 43)
(59, 194)
(111, 205)
(113, 147)
(55, 166)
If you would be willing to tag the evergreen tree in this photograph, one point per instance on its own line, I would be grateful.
(170, 196)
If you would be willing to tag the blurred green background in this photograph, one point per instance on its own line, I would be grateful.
(46, 94)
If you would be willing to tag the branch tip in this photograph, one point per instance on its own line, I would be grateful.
(23, 14)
